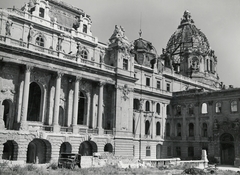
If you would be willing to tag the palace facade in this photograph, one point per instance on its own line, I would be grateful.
(62, 90)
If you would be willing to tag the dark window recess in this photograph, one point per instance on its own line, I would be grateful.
(148, 151)
(147, 81)
(158, 85)
(41, 12)
(84, 28)
(168, 87)
(125, 64)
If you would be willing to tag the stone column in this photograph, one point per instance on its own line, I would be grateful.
(88, 108)
(75, 105)
(23, 124)
(184, 126)
(94, 125)
(100, 107)
(56, 127)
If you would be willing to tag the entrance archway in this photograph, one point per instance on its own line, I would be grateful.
(10, 150)
(158, 151)
(39, 151)
(87, 148)
(34, 102)
(227, 149)
(108, 148)
(66, 147)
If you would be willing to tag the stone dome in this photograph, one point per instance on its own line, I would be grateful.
(187, 37)
(141, 45)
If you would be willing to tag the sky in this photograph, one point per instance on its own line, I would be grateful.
(219, 20)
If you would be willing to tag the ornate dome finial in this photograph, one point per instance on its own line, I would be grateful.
(140, 33)
(186, 17)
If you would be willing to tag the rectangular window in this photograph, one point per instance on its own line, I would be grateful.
(125, 64)
(41, 12)
(148, 151)
(158, 85)
(84, 28)
(169, 151)
(147, 81)
(190, 151)
(168, 87)
(178, 151)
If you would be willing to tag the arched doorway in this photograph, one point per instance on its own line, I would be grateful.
(39, 151)
(66, 147)
(158, 151)
(7, 116)
(10, 150)
(227, 149)
(34, 102)
(87, 148)
(108, 148)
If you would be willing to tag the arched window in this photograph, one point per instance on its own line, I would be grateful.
(158, 129)
(179, 130)
(84, 54)
(204, 130)
(158, 108)
(234, 106)
(191, 129)
(218, 107)
(136, 104)
(34, 102)
(84, 28)
(147, 128)
(204, 108)
(168, 130)
(147, 106)
(40, 41)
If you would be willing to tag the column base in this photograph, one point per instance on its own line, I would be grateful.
(75, 129)
(100, 131)
(56, 128)
(24, 126)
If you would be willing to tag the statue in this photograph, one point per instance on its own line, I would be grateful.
(79, 49)
(59, 44)
(8, 28)
(30, 33)
(186, 17)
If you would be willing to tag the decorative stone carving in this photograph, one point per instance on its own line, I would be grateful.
(125, 90)
(79, 49)
(8, 28)
(30, 33)
(85, 86)
(59, 43)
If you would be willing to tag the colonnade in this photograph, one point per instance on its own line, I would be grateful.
(56, 127)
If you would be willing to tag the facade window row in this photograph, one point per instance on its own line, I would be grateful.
(191, 130)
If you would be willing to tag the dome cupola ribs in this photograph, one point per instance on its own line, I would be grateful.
(188, 53)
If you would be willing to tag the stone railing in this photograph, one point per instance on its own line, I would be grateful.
(38, 126)
(54, 25)
(59, 55)
(108, 132)
(66, 129)
(152, 89)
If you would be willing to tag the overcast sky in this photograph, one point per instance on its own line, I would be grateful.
(219, 20)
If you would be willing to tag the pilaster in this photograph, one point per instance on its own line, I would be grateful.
(100, 107)
(75, 105)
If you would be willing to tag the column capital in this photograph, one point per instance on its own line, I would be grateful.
(29, 68)
(101, 83)
(60, 74)
(78, 78)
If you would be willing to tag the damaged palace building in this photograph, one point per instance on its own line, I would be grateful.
(61, 90)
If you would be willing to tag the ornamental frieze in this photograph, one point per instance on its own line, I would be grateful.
(125, 91)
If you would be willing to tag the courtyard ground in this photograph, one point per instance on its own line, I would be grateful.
(52, 169)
